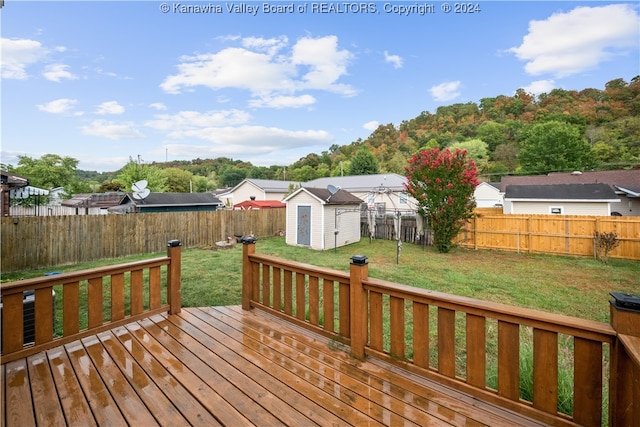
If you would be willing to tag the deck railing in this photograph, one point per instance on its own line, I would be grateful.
(461, 342)
(111, 296)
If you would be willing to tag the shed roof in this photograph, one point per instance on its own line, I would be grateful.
(569, 192)
(340, 197)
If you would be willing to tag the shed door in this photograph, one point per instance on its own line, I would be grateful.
(304, 225)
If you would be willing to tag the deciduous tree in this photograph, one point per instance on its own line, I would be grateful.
(443, 183)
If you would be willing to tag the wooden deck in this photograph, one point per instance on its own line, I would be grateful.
(226, 366)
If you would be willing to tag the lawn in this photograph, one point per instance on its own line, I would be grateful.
(566, 285)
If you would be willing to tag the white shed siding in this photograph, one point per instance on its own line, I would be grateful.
(568, 208)
(348, 225)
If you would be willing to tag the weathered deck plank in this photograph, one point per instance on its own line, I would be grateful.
(225, 366)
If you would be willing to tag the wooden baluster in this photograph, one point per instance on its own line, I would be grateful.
(314, 300)
(509, 360)
(328, 304)
(344, 304)
(266, 285)
(44, 315)
(137, 299)
(95, 302)
(545, 370)
(13, 337)
(117, 297)
(277, 289)
(587, 379)
(288, 292)
(375, 323)
(421, 334)
(300, 296)
(70, 308)
(155, 287)
(447, 342)
(397, 317)
(476, 350)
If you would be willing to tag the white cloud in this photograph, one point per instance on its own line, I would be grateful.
(239, 141)
(372, 125)
(58, 106)
(569, 43)
(110, 107)
(57, 72)
(540, 86)
(265, 68)
(158, 106)
(396, 60)
(18, 54)
(186, 120)
(446, 91)
(111, 130)
(283, 101)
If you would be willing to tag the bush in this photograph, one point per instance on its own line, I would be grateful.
(604, 244)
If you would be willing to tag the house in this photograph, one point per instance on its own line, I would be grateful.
(625, 184)
(322, 219)
(103, 201)
(168, 202)
(258, 189)
(9, 182)
(559, 199)
(384, 192)
(488, 195)
(259, 204)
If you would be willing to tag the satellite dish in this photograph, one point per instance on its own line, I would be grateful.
(140, 190)
(332, 189)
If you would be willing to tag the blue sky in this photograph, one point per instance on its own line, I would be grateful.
(103, 82)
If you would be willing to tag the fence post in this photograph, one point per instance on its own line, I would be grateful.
(174, 276)
(358, 307)
(624, 394)
(248, 248)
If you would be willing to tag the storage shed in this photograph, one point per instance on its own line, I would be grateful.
(322, 218)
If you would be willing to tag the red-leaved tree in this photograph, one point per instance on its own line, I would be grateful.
(443, 183)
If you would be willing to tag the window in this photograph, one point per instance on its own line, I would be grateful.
(556, 210)
(403, 198)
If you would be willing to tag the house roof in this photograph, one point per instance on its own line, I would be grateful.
(96, 200)
(568, 192)
(267, 185)
(178, 199)
(625, 179)
(259, 204)
(340, 197)
(362, 183)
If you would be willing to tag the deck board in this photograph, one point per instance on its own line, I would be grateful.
(225, 366)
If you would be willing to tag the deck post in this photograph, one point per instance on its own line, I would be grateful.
(174, 293)
(248, 248)
(624, 394)
(358, 306)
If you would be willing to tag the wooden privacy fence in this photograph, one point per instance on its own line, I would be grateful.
(40, 242)
(453, 340)
(552, 234)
